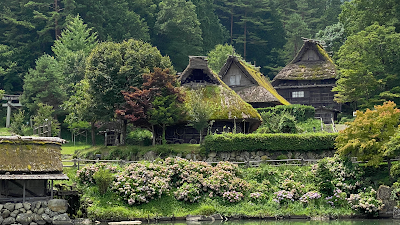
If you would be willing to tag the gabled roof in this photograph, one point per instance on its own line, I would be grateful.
(226, 103)
(311, 63)
(260, 91)
(198, 72)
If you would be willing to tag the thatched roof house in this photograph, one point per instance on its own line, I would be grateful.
(251, 85)
(26, 164)
(229, 109)
(308, 79)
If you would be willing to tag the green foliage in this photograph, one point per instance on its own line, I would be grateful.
(103, 179)
(18, 123)
(200, 111)
(71, 50)
(43, 114)
(139, 137)
(44, 85)
(217, 57)
(335, 173)
(333, 36)
(269, 142)
(1, 93)
(114, 67)
(179, 32)
(367, 135)
(369, 72)
(287, 124)
(300, 112)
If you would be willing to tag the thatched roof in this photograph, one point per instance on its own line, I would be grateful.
(226, 103)
(260, 89)
(30, 154)
(311, 63)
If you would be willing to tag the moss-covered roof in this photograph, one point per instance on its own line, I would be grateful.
(228, 104)
(321, 68)
(260, 91)
(30, 154)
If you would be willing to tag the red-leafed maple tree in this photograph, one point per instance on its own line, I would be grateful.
(158, 102)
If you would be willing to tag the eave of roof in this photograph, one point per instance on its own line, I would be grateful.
(33, 177)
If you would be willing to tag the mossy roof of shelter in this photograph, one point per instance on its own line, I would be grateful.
(260, 91)
(226, 103)
(20, 154)
(299, 69)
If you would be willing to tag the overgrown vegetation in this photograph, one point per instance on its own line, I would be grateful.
(178, 187)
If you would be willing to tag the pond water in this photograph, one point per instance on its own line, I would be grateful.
(295, 222)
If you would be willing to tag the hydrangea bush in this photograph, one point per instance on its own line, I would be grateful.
(310, 197)
(85, 175)
(366, 202)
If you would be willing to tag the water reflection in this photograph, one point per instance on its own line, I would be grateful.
(286, 222)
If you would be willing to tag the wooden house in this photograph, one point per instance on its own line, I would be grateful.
(308, 79)
(28, 166)
(230, 113)
(251, 85)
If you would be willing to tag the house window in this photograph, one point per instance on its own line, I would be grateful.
(235, 79)
(298, 94)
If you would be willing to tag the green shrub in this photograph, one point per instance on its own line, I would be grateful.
(287, 124)
(139, 137)
(269, 142)
(300, 112)
(103, 179)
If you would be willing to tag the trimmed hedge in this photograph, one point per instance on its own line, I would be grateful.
(300, 112)
(269, 142)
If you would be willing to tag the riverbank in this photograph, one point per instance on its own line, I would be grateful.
(172, 189)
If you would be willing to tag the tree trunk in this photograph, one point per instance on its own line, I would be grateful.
(164, 141)
(245, 36)
(123, 132)
(232, 29)
(154, 135)
(93, 134)
(201, 135)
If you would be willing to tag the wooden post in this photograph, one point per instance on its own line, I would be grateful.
(78, 162)
(51, 195)
(23, 192)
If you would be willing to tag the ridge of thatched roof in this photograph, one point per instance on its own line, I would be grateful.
(30, 154)
(226, 103)
(261, 91)
(198, 64)
(321, 68)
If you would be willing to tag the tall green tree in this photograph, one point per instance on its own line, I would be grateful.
(8, 79)
(71, 49)
(159, 102)
(296, 28)
(218, 56)
(369, 71)
(113, 67)
(213, 32)
(112, 20)
(367, 136)
(179, 32)
(333, 36)
(82, 109)
(357, 15)
(44, 84)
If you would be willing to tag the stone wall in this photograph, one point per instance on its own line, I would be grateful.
(35, 213)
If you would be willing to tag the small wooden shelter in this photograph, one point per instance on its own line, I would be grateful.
(308, 79)
(230, 112)
(28, 166)
(251, 85)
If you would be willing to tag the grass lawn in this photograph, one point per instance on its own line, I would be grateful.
(4, 131)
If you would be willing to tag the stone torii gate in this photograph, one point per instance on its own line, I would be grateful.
(12, 101)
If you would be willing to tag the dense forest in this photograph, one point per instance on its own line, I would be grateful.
(47, 47)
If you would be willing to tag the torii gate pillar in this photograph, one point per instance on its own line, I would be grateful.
(9, 104)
